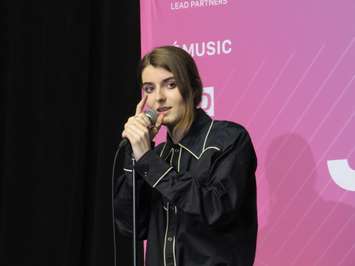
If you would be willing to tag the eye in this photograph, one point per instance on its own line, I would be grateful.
(148, 88)
(171, 84)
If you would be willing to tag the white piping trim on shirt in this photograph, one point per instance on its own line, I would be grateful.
(167, 208)
(171, 150)
(172, 156)
(174, 238)
(166, 233)
(208, 132)
(204, 145)
(127, 170)
(161, 153)
(197, 157)
(179, 160)
(160, 178)
(211, 147)
(174, 251)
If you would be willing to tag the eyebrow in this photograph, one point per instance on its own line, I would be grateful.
(163, 81)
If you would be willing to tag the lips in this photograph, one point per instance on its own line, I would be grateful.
(163, 109)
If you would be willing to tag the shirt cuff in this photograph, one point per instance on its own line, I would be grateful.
(152, 168)
(128, 155)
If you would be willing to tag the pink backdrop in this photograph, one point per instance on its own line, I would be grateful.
(285, 70)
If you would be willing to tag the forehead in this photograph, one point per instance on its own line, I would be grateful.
(155, 74)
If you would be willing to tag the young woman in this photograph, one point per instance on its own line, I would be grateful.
(196, 192)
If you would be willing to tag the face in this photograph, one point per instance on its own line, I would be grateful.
(163, 94)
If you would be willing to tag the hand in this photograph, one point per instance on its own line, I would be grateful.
(153, 129)
(139, 132)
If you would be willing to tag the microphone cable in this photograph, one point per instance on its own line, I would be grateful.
(133, 208)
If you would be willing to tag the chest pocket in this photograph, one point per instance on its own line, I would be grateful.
(200, 168)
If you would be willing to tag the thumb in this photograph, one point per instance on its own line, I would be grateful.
(159, 120)
(157, 125)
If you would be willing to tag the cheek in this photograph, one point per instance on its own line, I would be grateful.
(176, 96)
(181, 102)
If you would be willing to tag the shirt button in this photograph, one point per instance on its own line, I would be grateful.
(176, 150)
(170, 239)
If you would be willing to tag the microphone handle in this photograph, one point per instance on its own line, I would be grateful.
(123, 142)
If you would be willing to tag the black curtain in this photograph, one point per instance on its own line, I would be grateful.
(68, 83)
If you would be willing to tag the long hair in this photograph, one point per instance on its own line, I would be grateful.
(183, 67)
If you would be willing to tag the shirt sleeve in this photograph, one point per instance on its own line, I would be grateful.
(123, 198)
(230, 187)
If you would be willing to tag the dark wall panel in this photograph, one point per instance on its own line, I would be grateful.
(67, 84)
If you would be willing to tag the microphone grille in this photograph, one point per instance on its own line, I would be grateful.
(152, 115)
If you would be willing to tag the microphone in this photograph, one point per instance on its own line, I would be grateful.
(152, 116)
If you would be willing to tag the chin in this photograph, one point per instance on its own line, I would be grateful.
(166, 123)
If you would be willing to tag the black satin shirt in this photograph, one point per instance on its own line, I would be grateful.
(196, 200)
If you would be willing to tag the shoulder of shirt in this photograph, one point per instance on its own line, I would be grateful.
(220, 136)
(226, 133)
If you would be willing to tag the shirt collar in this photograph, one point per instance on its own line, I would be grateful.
(194, 139)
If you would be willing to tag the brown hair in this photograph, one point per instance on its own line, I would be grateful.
(183, 67)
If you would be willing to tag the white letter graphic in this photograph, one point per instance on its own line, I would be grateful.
(342, 174)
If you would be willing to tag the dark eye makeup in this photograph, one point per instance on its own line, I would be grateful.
(169, 83)
(148, 88)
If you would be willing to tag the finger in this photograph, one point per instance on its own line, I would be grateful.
(138, 129)
(159, 120)
(130, 135)
(125, 134)
(137, 125)
(157, 125)
(143, 119)
(141, 104)
(142, 122)
(135, 120)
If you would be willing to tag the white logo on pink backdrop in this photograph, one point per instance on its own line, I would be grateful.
(208, 48)
(286, 71)
(207, 102)
(342, 174)
(177, 5)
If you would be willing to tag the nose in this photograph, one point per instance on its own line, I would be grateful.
(160, 94)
